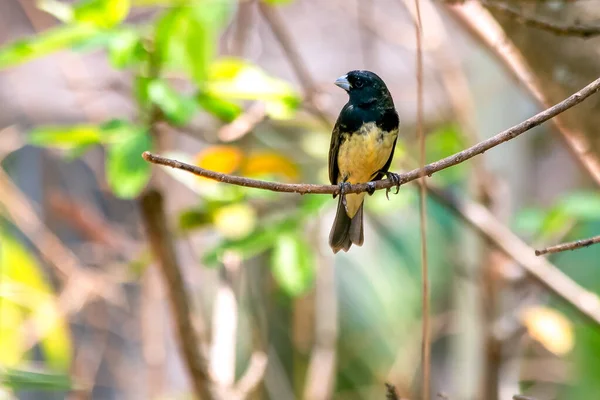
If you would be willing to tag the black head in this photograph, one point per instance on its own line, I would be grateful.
(365, 89)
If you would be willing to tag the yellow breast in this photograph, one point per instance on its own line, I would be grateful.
(363, 153)
(360, 156)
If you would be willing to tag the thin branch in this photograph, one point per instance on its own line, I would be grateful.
(430, 169)
(544, 272)
(283, 36)
(483, 27)
(578, 244)
(576, 29)
(154, 218)
(425, 333)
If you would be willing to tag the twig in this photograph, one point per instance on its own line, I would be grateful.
(577, 244)
(278, 27)
(429, 169)
(576, 29)
(557, 282)
(484, 28)
(425, 333)
(154, 217)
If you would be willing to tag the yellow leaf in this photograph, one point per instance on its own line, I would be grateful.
(549, 327)
(224, 159)
(270, 163)
(26, 296)
(235, 221)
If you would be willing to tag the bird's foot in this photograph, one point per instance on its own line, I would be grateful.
(395, 178)
(371, 188)
(344, 186)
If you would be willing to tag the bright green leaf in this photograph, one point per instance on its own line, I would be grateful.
(581, 205)
(277, 2)
(21, 379)
(126, 171)
(101, 13)
(50, 41)
(66, 137)
(292, 264)
(223, 109)
(125, 48)
(176, 107)
(186, 36)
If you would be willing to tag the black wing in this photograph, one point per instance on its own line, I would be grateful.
(334, 147)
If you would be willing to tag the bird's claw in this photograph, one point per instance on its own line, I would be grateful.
(343, 187)
(371, 188)
(395, 178)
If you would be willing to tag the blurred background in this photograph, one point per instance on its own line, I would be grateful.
(124, 280)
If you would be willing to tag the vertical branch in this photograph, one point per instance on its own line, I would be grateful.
(426, 345)
(153, 215)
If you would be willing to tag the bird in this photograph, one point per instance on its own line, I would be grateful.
(361, 151)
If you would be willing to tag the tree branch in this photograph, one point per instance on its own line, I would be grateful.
(430, 169)
(576, 29)
(283, 36)
(557, 282)
(158, 234)
(569, 246)
(483, 27)
(425, 330)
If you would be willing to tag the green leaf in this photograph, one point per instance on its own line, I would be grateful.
(292, 264)
(582, 205)
(177, 108)
(50, 41)
(259, 241)
(529, 221)
(66, 137)
(223, 109)
(30, 379)
(25, 295)
(101, 13)
(194, 218)
(125, 48)
(442, 143)
(240, 80)
(186, 36)
(277, 2)
(126, 171)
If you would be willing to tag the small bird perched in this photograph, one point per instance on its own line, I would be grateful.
(361, 150)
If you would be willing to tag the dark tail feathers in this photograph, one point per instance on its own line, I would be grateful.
(345, 230)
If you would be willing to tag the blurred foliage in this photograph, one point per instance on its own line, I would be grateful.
(30, 317)
(177, 76)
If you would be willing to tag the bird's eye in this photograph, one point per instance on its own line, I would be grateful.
(358, 84)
